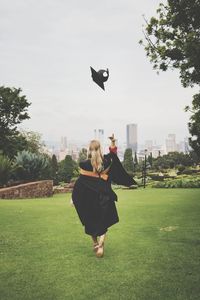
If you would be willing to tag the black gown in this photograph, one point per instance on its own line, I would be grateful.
(94, 198)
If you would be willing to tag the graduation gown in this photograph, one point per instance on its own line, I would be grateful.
(94, 198)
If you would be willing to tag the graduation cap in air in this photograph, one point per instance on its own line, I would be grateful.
(100, 77)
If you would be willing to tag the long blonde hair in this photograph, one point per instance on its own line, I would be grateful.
(95, 155)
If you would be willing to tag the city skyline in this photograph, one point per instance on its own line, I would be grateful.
(170, 144)
(104, 136)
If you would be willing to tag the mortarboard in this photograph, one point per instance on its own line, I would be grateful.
(100, 77)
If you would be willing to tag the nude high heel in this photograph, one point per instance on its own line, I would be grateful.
(100, 250)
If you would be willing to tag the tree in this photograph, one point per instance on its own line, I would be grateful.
(173, 39)
(66, 169)
(82, 155)
(173, 42)
(13, 110)
(136, 164)
(54, 164)
(128, 160)
(173, 159)
(194, 125)
(150, 159)
(5, 169)
(32, 141)
(135, 159)
(194, 157)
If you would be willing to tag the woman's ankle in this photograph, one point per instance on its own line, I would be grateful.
(102, 239)
(95, 240)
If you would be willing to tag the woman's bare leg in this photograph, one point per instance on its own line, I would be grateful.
(94, 238)
(100, 250)
(95, 242)
(102, 239)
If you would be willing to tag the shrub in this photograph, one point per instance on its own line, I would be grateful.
(179, 183)
(156, 177)
(5, 169)
(181, 168)
(190, 171)
(31, 166)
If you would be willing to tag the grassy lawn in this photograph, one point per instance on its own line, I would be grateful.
(152, 253)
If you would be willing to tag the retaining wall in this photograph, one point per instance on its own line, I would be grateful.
(36, 189)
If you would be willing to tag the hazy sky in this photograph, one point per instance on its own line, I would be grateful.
(47, 48)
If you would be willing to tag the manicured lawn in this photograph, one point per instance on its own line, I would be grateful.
(152, 253)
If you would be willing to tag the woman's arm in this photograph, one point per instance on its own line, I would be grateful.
(117, 172)
(113, 147)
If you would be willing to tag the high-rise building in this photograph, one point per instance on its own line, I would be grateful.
(99, 135)
(63, 143)
(171, 145)
(131, 137)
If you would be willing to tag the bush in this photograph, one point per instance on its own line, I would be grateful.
(156, 177)
(181, 168)
(190, 171)
(30, 166)
(5, 169)
(179, 183)
(73, 179)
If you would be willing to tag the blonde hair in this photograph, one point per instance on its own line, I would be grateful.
(95, 155)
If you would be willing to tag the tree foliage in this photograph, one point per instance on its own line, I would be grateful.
(32, 141)
(67, 167)
(13, 111)
(173, 39)
(5, 169)
(171, 160)
(82, 155)
(194, 125)
(54, 164)
(135, 159)
(128, 160)
(150, 159)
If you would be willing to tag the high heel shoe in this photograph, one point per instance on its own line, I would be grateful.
(95, 247)
(100, 250)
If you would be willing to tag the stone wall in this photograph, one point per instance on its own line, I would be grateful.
(67, 188)
(36, 189)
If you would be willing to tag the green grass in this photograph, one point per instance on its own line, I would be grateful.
(44, 253)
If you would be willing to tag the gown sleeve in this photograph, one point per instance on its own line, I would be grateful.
(117, 172)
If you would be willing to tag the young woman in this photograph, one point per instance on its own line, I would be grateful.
(93, 196)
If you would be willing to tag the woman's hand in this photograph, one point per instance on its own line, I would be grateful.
(113, 140)
(113, 147)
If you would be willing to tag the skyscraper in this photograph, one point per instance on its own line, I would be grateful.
(131, 137)
(171, 143)
(63, 145)
(99, 135)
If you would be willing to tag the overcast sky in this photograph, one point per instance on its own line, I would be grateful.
(47, 48)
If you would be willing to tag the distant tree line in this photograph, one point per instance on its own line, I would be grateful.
(167, 161)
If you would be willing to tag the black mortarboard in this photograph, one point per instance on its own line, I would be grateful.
(100, 77)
